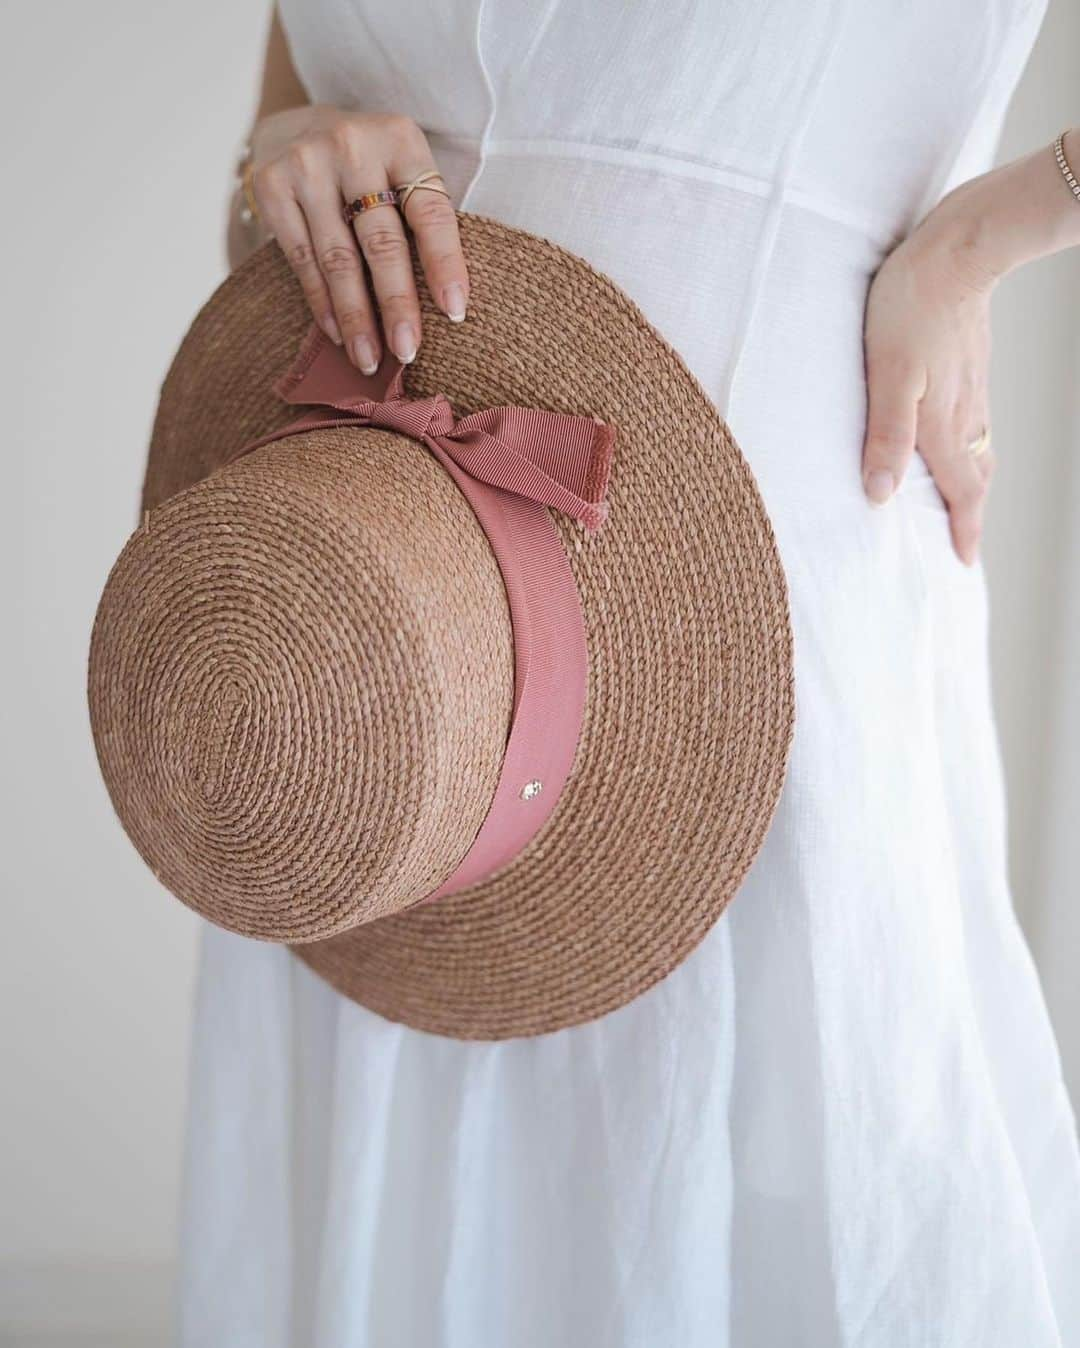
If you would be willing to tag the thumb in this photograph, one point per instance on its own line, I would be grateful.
(894, 388)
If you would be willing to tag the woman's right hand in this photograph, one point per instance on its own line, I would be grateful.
(307, 163)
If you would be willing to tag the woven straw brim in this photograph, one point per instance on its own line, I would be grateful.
(690, 703)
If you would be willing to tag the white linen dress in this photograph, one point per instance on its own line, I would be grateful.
(842, 1120)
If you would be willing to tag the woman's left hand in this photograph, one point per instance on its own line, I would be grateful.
(927, 344)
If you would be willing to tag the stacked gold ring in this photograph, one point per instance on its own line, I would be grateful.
(423, 183)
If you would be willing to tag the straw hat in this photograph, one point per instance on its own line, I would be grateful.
(357, 615)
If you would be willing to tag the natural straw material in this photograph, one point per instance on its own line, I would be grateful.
(301, 669)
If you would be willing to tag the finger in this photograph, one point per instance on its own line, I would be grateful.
(431, 216)
(979, 419)
(285, 220)
(966, 511)
(959, 475)
(985, 464)
(343, 270)
(894, 387)
(433, 221)
(386, 251)
(380, 233)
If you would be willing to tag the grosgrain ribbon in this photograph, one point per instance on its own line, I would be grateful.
(556, 459)
(510, 463)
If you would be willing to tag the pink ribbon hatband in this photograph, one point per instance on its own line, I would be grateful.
(509, 462)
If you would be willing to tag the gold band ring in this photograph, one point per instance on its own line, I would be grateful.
(980, 444)
(422, 183)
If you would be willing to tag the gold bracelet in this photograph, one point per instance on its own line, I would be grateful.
(249, 212)
(1063, 165)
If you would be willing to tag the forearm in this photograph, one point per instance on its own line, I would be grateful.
(927, 335)
(280, 88)
(1024, 210)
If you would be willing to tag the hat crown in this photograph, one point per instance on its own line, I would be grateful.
(318, 641)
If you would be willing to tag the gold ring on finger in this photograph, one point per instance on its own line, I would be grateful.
(422, 183)
(980, 444)
(368, 201)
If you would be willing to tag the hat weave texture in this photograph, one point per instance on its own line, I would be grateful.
(301, 670)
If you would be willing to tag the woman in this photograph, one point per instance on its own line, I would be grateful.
(842, 1121)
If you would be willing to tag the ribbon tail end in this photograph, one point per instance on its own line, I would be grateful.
(598, 476)
(321, 374)
(312, 345)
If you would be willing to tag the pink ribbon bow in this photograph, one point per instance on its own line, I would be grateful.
(556, 459)
(509, 462)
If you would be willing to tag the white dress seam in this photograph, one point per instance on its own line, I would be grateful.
(777, 200)
(876, 229)
(489, 85)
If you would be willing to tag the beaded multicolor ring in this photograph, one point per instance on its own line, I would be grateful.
(368, 201)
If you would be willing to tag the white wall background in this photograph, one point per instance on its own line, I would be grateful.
(1033, 554)
(122, 122)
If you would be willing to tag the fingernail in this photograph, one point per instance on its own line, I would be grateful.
(403, 342)
(879, 485)
(331, 329)
(363, 353)
(454, 302)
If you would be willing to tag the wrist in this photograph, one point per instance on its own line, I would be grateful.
(964, 235)
(991, 225)
(244, 233)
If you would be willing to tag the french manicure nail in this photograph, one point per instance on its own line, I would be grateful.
(331, 329)
(363, 353)
(404, 342)
(879, 485)
(454, 302)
